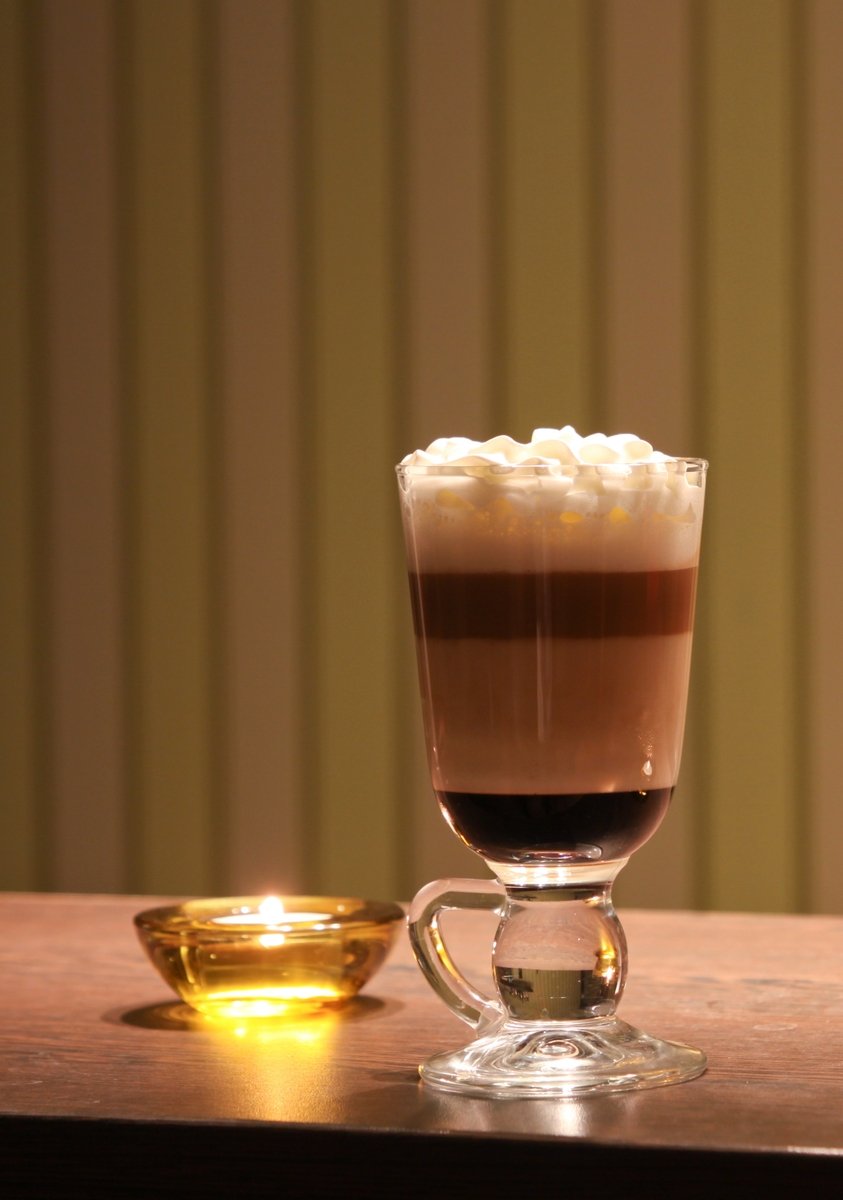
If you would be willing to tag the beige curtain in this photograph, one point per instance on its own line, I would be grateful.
(251, 252)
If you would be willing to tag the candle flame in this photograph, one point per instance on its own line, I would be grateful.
(271, 909)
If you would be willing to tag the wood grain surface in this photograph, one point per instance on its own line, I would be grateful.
(108, 1087)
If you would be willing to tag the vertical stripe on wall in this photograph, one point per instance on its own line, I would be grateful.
(262, 502)
(448, 219)
(445, 158)
(349, 437)
(647, 257)
(818, 797)
(169, 583)
(546, 191)
(646, 340)
(83, 444)
(748, 414)
(20, 837)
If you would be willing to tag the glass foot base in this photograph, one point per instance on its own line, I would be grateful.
(571, 1058)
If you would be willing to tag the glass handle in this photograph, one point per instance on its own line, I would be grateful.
(432, 955)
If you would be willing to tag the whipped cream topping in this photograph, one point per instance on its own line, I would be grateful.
(576, 502)
(551, 448)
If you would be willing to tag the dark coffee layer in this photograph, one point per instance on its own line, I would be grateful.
(589, 826)
(571, 604)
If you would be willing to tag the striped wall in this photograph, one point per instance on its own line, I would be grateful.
(252, 251)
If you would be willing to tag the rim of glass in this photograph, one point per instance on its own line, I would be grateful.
(200, 915)
(682, 464)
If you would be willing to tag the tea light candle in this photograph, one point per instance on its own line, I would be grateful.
(253, 956)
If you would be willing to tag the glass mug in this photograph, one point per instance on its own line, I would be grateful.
(553, 615)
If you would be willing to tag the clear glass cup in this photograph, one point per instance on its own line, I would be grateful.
(553, 614)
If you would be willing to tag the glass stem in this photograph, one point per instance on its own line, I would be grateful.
(560, 953)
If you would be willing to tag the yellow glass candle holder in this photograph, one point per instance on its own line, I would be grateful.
(268, 956)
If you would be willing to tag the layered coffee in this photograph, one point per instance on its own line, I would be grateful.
(553, 590)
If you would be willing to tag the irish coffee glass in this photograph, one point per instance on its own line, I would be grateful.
(553, 616)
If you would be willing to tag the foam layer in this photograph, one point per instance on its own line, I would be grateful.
(558, 502)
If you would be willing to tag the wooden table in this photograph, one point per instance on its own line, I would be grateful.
(109, 1088)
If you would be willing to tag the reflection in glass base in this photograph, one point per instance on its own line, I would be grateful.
(518, 1059)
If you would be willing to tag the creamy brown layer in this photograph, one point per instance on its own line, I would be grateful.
(554, 715)
(570, 604)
